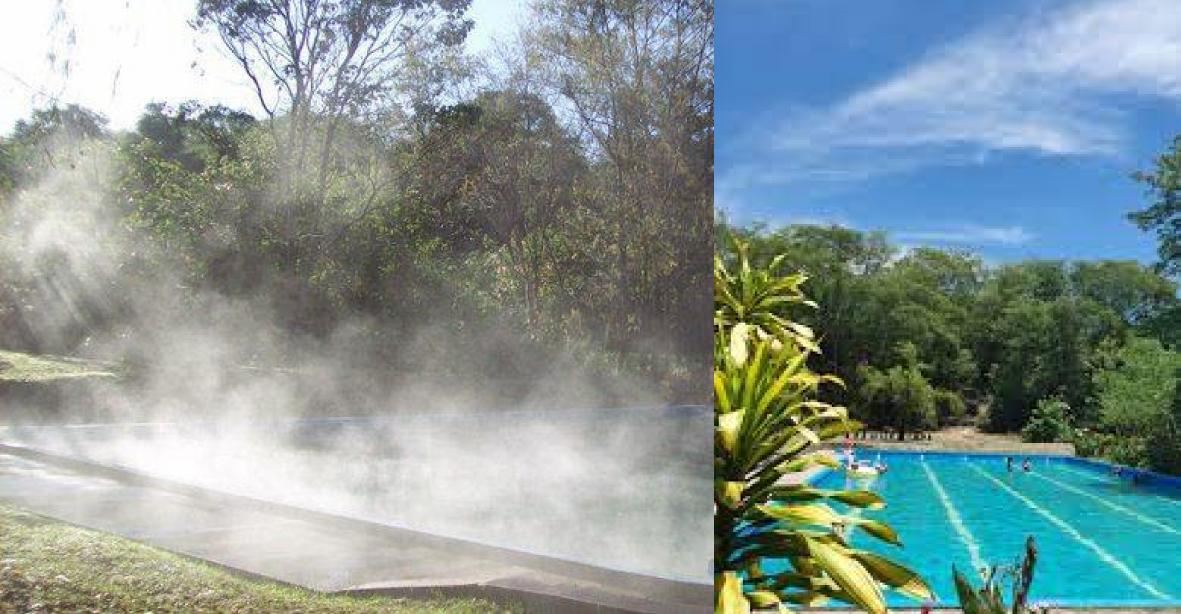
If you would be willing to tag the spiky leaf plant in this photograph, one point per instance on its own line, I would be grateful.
(768, 424)
(988, 599)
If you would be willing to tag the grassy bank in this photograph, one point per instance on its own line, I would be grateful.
(20, 367)
(47, 566)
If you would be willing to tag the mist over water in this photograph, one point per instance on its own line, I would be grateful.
(625, 489)
(237, 404)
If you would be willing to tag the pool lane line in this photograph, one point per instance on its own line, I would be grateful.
(1065, 527)
(1115, 506)
(957, 521)
(1108, 478)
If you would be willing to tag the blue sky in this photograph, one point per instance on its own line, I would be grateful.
(1009, 127)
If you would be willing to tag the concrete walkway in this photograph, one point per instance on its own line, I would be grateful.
(321, 551)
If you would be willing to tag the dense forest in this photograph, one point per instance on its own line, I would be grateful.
(397, 198)
(1086, 351)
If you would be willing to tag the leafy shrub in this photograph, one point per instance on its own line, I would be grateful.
(1087, 443)
(1164, 445)
(899, 398)
(1127, 450)
(1049, 423)
(1134, 392)
(949, 407)
(1163, 451)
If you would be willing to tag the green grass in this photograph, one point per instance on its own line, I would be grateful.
(18, 367)
(48, 566)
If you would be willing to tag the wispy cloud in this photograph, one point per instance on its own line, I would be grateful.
(968, 235)
(1049, 83)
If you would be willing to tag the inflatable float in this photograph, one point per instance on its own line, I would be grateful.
(859, 468)
(862, 469)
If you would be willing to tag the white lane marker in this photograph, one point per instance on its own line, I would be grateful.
(1079, 537)
(1089, 474)
(1115, 506)
(957, 522)
(1108, 478)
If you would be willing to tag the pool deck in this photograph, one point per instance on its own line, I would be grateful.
(968, 439)
(320, 551)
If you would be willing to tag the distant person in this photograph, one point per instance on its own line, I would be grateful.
(1026, 465)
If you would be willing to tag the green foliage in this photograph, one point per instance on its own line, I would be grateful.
(1043, 349)
(1137, 395)
(1049, 423)
(20, 367)
(989, 598)
(51, 566)
(373, 197)
(949, 407)
(1130, 450)
(1136, 386)
(1163, 215)
(1127, 288)
(1002, 337)
(1162, 450)
(1163, 447)
(899, 397)
(767, 422)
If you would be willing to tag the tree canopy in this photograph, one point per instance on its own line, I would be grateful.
(911, 330)
(559, 204)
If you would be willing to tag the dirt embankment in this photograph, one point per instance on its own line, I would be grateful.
(967, 438)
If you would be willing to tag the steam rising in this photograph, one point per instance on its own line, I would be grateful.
(239, 405)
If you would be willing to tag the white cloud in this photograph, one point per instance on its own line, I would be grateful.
(1049, 83)
(969, 235)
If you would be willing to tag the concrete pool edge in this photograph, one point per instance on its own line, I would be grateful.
(546, 582)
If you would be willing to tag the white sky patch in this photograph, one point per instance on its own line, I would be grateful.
(1048, 83)
(969, 234)
(123, 54)
(1035, 84)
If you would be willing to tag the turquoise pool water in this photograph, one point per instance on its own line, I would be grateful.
(1102, 541)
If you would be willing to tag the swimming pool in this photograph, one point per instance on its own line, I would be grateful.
(1102, 541)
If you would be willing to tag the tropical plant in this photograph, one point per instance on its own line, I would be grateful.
(989, 598)
(767, 425)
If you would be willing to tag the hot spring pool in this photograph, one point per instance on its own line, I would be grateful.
(1101, 540)
(627, 489)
